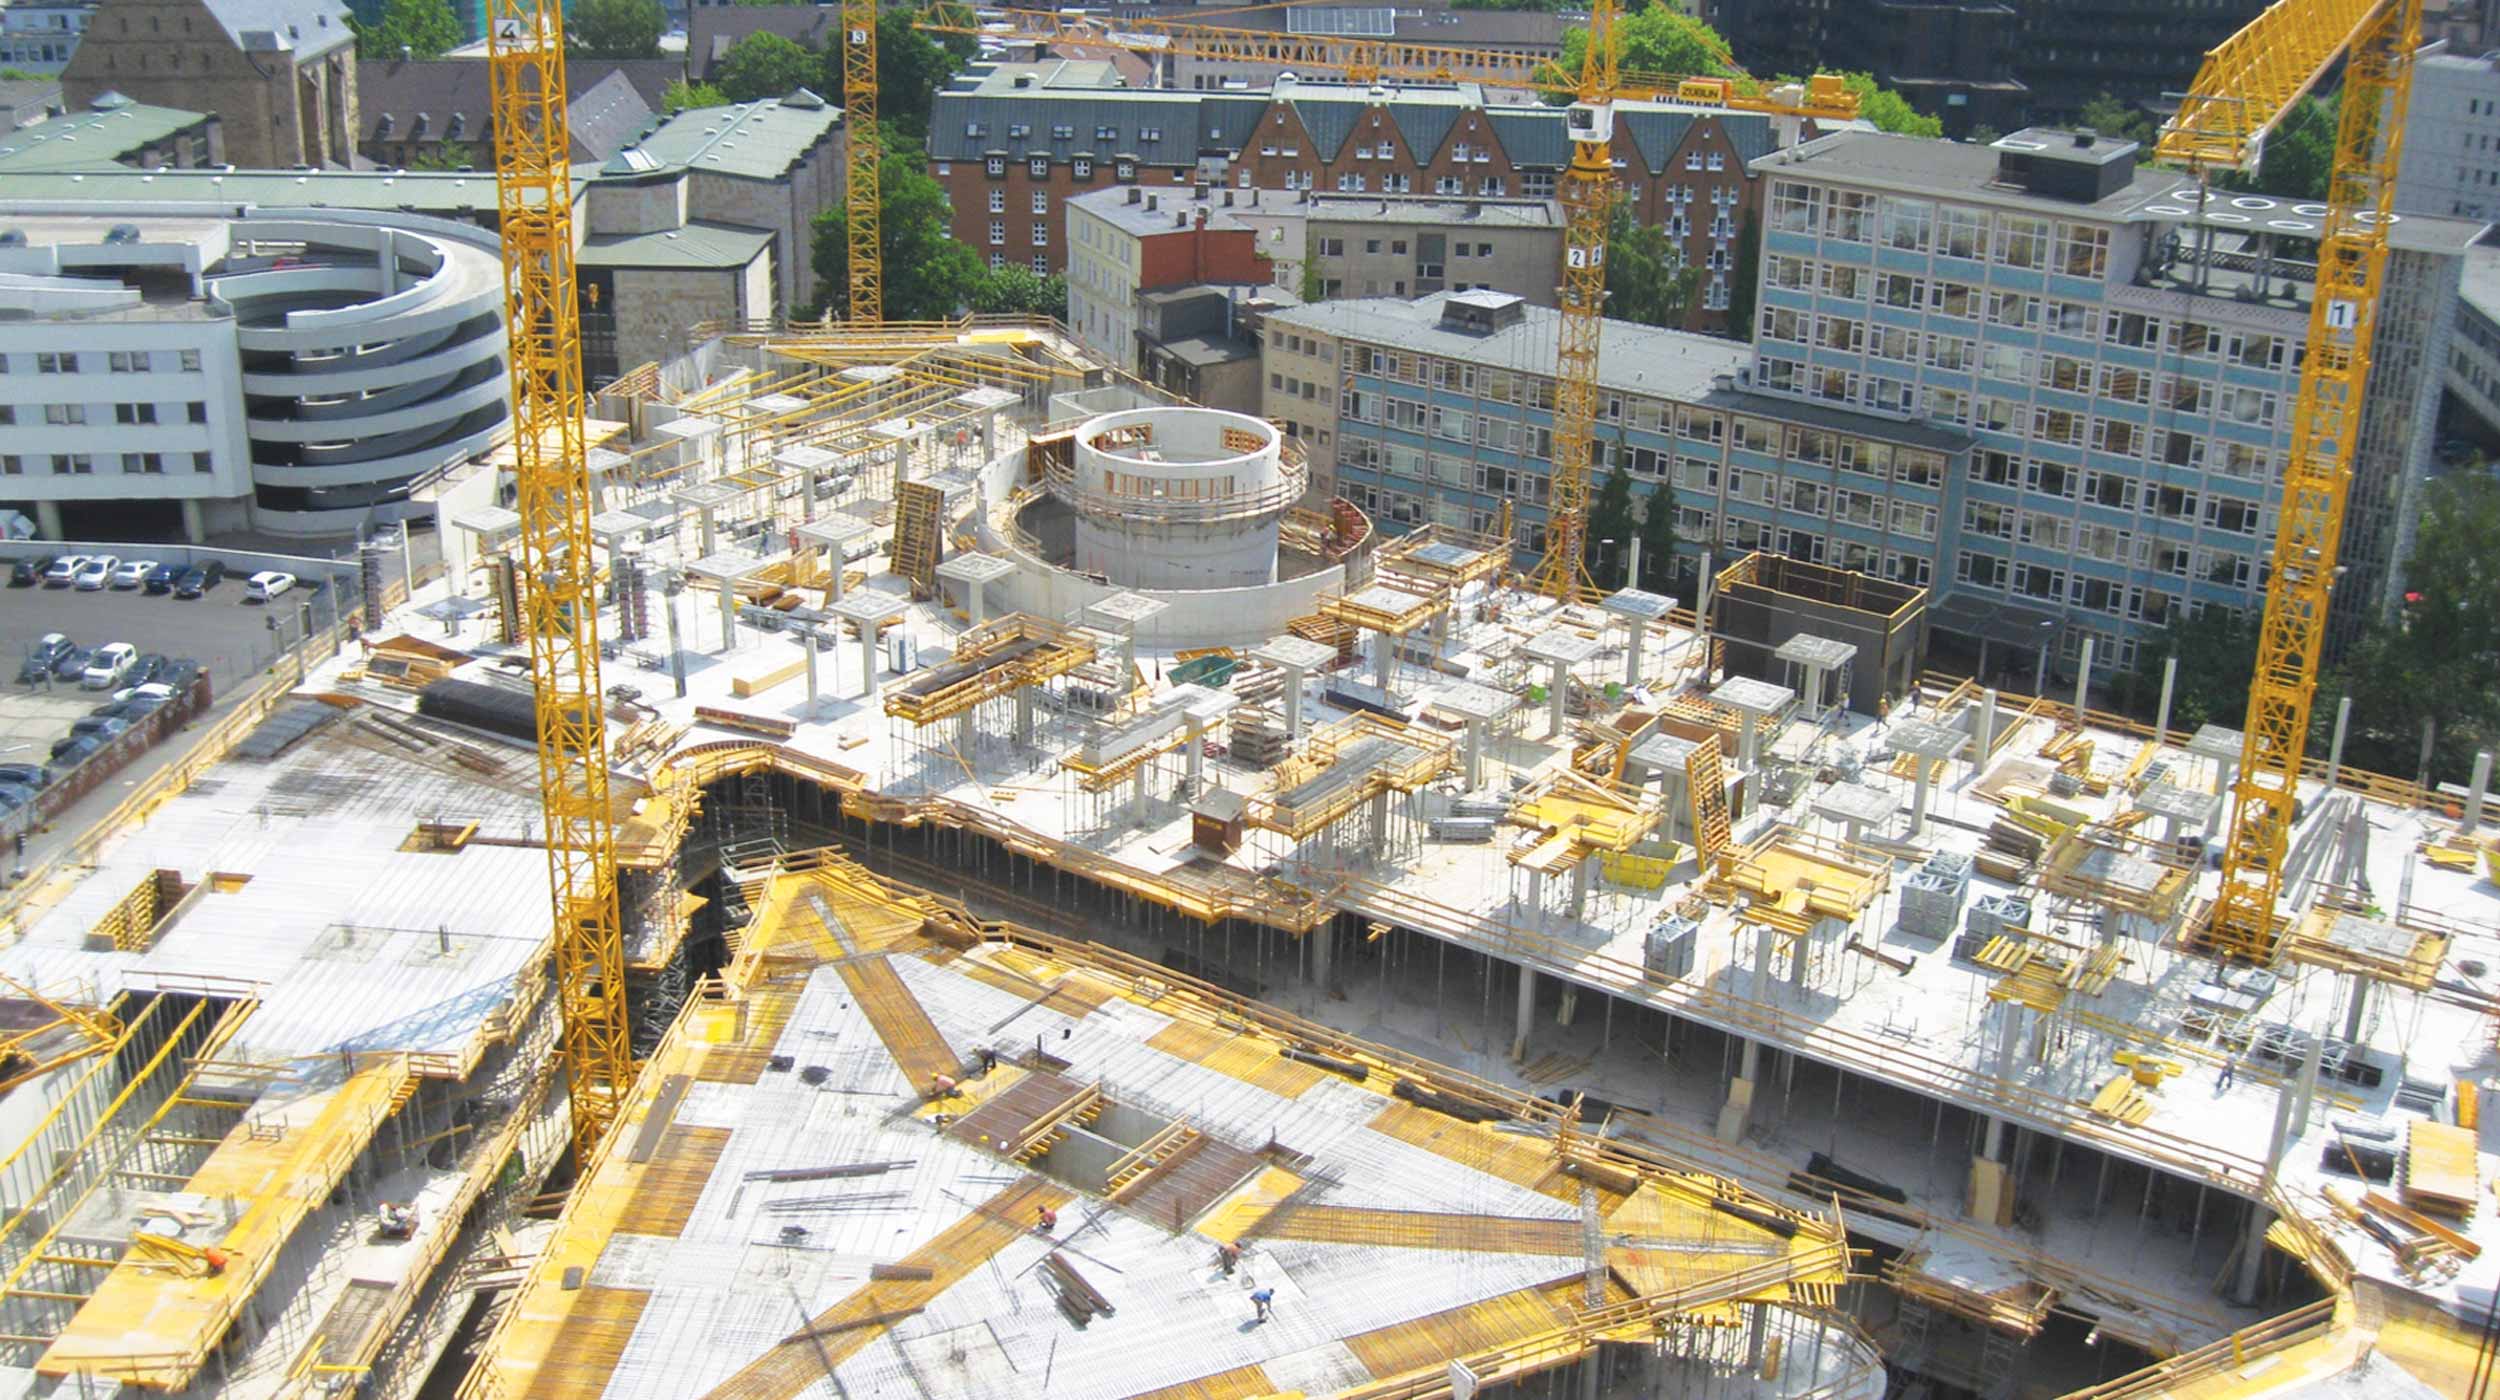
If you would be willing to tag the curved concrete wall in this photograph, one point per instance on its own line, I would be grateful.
(1178, 498)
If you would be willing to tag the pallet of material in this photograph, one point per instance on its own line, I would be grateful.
(757, 682)
(2440, 1169)
(744, 723)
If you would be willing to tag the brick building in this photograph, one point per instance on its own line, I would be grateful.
(1013, 143)
(280, 74)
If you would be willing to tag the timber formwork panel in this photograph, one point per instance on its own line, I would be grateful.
(995, 659)
(909, 1035)
(1413, 1229)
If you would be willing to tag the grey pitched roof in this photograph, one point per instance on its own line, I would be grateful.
(712, 29)
(1157, 127)
(306, 27)
(1231, 121)
(1423, 126)
(1329, 120)
(1654, 134)
(1532, 137)
(452, 96)
(604, 117)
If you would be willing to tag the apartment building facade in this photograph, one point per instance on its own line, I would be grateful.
(1013, 143)
(1125, 243)
(2451, 163)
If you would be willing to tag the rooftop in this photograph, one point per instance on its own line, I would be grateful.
(756, 140)
(2481, 283)
(1429, 209)
(696, 245)
(98, 136)
(1145, 212)
(1635, 358)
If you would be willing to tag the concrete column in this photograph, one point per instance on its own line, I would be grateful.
(1555, 684)
(2335, 749)
(1195, 740)
(1527, 1012)
(2083, 678)
(2253, 1247)
(1380, 821)
(1385, 664)
(1137, 787)
(2355, 1013)
(868, 661)
(1918, 798)
(195, 522)
(1987, 734)
(1581, 875)
(1632, 653)
(2474, 794)
(1745, 741)
(1323, 943)
(1474, 750)
(807, 644)
(1128, 653)
(974, 600)
(728, 615)
(2308, 1084)
(48, 519)
(1674, 803)
(708, 527)
(1441, 627)
(1814, 691)
(1739, 1105)
(1293, 703)
(2169, 687)
(1024, 716)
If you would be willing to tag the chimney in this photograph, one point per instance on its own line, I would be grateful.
(1202, 218)
(1180, 218)
(1153, 203)
(1228, 199)
(2084, 137)
(1134, 193)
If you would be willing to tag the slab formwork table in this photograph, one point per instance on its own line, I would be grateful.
(1638, 608)
(1297, 657)
(1387, 613)
(604, 462)
(1478, 706)
(705, 499)
(1124, 613)
(989, 402)
(1756, 701)
(1670, 756)
(2223, 746)
(975, 572)
(1928, 744)
(698, 442)
(896, 435)
(807, 463)
(1200, 714)
(835, 534)
(1560, 650)
(1818, 658)
(869, 613)
(1856, 807)
(492, 530)
(728, 568)
(2175, 804)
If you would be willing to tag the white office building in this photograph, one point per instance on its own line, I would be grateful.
(164, 368)
(2451, 163)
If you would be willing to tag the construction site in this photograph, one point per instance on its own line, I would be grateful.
(900, 862)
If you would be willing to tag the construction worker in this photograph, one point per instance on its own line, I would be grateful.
(2230, 1071)
(1227, 1256)
(941, 1086)
(1049, 1220)
(989, 1059)
(1260, 1300)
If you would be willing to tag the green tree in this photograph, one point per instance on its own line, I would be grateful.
(2111, 117)
(1657, 39)
(2439, 659)
(615, 28)
(1647, 277)
(1744, 279)
(2216, 649)
(1610, 518)
(2299, 156)
(928, 275)
(1658, 541)
(408, 28)
(1889, 110)
(764, 64)
(911, 66)
(683, 96)
(448, 156)
(1017, 290)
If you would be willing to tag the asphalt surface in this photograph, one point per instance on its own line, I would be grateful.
(232, 639)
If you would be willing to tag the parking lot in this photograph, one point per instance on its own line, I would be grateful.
(230, 638)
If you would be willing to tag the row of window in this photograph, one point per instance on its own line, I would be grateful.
(1017, 131)
(83, 463)
(74, 415)
(114, 361)
(2001, 237)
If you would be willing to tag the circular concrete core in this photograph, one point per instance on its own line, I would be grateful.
(1179, 498)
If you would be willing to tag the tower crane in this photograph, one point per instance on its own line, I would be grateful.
(2242, 90)
(550, 468)
(1587, 188)
(862, 201)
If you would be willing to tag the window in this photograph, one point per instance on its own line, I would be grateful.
(2022, 241)
(12, 465)
(128, 361)
(2065, 373)
(2125, 385)
(1041, 264)
(1897, 289)
(1038, 167)
(1332, 247)
(1041, 234)
(1795, 208)
(998, 201)
(143, 463)
(1851, 216)
(72, 464)
(2071, 318)
(2013, 309)
(997, 166)
(1063, 133)
(1536, 184)
(1127, 170)
(1148, 135)
(1844, 281)
(2058, 425)
(1960, 233)
(1908, 224)
(1106, 133)
(2082, 250)
(56, 362)
(134, 413)
(1955, 299)
(998, 232)
(1082, 168)
(191, 360)
(1041, 201)
(62, 415)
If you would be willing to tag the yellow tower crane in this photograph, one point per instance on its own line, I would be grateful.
(2242, 90)
(1587, 188)
(550, 468)
(862, 202)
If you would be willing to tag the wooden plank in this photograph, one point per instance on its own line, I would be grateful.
(2440, 1167)
(909, 1035)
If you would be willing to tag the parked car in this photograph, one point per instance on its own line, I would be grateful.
(120, 708)
(14, 796)
(265, 585)
(148, 667)
(26, 573)
(97, 573)
(145, 697)
(178, 676)
(200, 578)
(63, 571)
(32, 775)
(133, 573)
(74, 749)
(41, 656)
(110, 663)
(103, 727)
(71, 664)
(161, 578)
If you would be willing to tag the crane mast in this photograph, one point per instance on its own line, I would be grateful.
(559, 586)
(861, 198)
(2240, 92)
(1588, 191)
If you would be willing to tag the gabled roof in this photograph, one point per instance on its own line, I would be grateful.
(1532, 137)
(1654, 134)
(712, 29)
(91, 139)
(1159, 128)
(604, 117)
(452, 97)
(754, 140)
(1231, 122)
(304, 27)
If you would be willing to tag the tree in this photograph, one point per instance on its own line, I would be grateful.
(1647, 277)
(2439, 659)
(1744, 279)
(1658, 541)
(2111, 117)
(1656, 40)
(928, 275)
(448, 156)
(1889, 110)
(2217, 649)
(764, 64)
(408, 28)
(1610, 519)
(1017, 290)
(2299, 156)
(683, 96)
(615, 28)
(911, 66)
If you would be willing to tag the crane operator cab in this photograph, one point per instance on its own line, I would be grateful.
(1590, 121)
